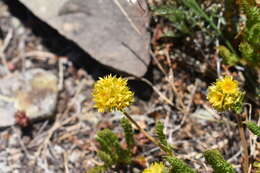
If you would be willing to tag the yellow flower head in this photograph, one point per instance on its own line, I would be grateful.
(155, 168)
(227, 85)
(111, 93)
(215, 97)
(225, 95)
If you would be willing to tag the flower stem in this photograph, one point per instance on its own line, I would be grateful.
(245, 161)
(152, 139)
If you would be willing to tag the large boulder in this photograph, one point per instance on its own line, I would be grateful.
(112, 31)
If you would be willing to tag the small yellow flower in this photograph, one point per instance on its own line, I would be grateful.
(227, 85)
(111, 93)
(225, 95)
(155, 168)
(215, 98)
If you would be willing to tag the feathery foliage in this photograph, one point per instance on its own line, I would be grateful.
(177, 16)
(109, 144)
(249, 46)
(218, 163)
(178, 166)
(186, 15)
(228, 57)
(111, 152)
(128, 131)
(253, 127)
(162, 138)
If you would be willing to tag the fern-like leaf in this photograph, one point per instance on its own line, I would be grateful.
(247, 51)
(252, 126)
(128, 131)
(217, 162)
(162, 138)
(106, 158)
(108, 140)
(175, 15)
(109, 144)
(252, 13)
(228, 57)
(178, 166)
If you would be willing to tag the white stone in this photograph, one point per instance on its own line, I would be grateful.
(34, 92)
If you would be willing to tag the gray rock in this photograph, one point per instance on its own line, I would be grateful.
(34, 92)
(101, 29)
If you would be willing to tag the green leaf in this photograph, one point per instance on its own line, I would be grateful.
(228, 57)
(252, 126)
(162, 138)
(176, 16)
(106, 158)
(247, 51)
(109, 145)
(217, 162)
(108, 140)
(178, 166)
(128, 131)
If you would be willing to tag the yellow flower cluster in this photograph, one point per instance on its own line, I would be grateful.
(111, 93)
(155, 168)
(225, 95)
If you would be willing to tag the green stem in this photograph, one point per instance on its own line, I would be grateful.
(152, 139)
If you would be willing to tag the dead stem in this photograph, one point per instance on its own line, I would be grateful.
(245, 161)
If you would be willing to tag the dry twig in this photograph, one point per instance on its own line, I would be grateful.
(3, 48)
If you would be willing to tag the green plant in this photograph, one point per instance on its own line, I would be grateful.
(178, 166)
(177, 16)
(162, 138)
(216, 160)
(175, 165)
(249, 46)
(111, 152)
(128, 131)
(253, 127)
(186, 15)
(225, 94)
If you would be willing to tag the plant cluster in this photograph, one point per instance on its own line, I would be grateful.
(236, 29)
(187, 16)
(112, 94)
(249, 45)
(111, 152)
(114, 155)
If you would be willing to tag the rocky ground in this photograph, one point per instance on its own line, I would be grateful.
(61, 135)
